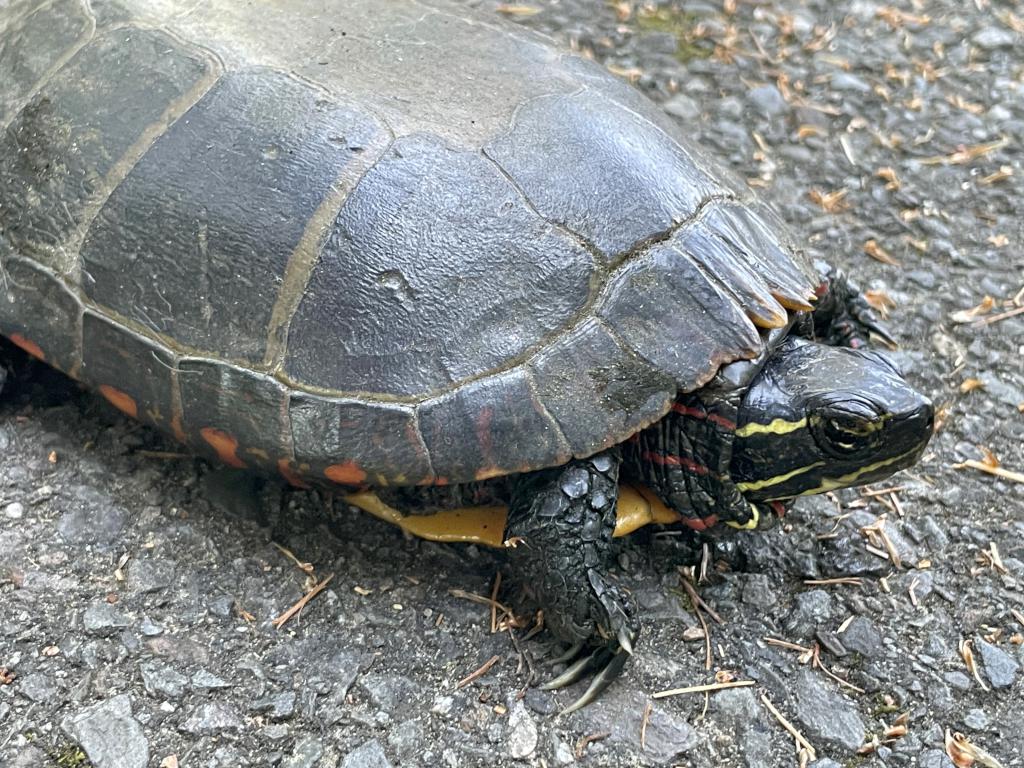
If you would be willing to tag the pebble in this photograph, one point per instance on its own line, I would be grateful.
(279, 706)
(683, 107)
(207, 681)
(1000, 667)
(768, 100)
(162, 680)
(14, 510)
(991, 38)
(827, 716)
(307, 751)
(150, 575)
(861, 636)
(38, 687)
(522, 732)
(212, 717)
(810, 610)
(391, 693)
(759, 591)
(934, 758)
(104, 619)
(109, 734)
(407, 738)
(976, 719)
(91, 519)
(368, 755)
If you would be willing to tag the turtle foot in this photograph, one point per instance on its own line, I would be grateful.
(843, 317)
(564, 518)
(608, 658)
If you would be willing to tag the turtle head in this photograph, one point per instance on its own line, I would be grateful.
(816, 418)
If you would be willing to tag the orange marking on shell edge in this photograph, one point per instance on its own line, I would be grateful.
(120, 400)
(259, 453)
(177, 431)
(487, 473)
(28, 346)
(346, 473)
(225, 444)
(701, 523)
(284, 466)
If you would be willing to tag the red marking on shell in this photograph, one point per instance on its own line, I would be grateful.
(822, 289)
(28, 345)
(225, 444)
(177, 431)
(701, 523)
(284, 466)
(120, 400)
(697, 413)
(669, 459)
(346, 473)
(483, 433)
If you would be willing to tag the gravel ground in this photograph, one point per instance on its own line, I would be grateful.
(138, 587)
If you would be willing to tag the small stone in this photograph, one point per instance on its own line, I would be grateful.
(407, 739)
(276, 732)
(150, 628)
(14, 510)
(212, 717)
(369, 755)
(161, 680)
(522, 737)
(827, 716)
(768, 100)
(279, 706)
(109, 734)
(207, 681)
(150, 575)
(861, 636)
(810, 610)
(934, 758)
(391, 693)
(1000, 667)
(958, 680)
(91, 518)
(844, 81)
(976, 719)
(683, 107)
(307, 751)
(37, 687)
(104, 619)
(991, 38)
(759, 591)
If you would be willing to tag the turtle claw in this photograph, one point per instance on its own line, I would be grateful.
(609, 660)
(601, 681)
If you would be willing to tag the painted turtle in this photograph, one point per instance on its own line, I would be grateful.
(404, 249)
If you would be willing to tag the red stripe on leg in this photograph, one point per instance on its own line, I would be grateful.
(669, 459)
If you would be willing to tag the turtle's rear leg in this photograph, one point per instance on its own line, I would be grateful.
(842, 316)
(562, 520)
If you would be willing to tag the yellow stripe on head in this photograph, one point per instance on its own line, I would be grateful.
(756, 485)
(774, 427)
(832, 483)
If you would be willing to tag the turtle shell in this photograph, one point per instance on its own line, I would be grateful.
(373, 243)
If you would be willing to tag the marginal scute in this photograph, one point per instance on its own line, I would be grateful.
(251, 406)
(55, 156)
(436, 270)
(488, 427)
(379, 440)
(598, 392)
(786, 273)
(601, 170)
(39, 308)
(676, 317)
(138, 368)
(723, 257)
(196, 240)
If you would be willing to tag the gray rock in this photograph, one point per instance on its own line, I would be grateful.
(844, 81)
(827, 716)
(522, 732)
(619, 712)
(934, 758)
(307, 751)
(370, 754)
(768, 100)
(91, 519)
(391, 693)
(104, 619)
(683, 107)
(162, 680)
(810, 610)
(279, 706)
(861, 636)
(14, 510)
(150, 575)
(207, 681)
(976, 719)
(1000, 667)
(759, 591)
(991, 38)
(212, 717)
(37, 687)
(109, 734)
(957, 679)
(408, 738)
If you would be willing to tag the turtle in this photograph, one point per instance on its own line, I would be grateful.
(411, 252)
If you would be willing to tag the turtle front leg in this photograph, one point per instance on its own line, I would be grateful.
(842, 316)
(562, 521)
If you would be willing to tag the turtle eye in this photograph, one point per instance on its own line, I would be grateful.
(844, 434)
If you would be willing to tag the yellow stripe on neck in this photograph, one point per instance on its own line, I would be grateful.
(756, 485)
(774, 427)
(831, 484)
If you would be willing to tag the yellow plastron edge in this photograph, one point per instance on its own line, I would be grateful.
(637, 507)
(470, 525)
